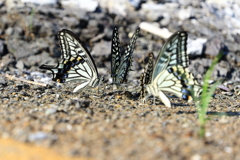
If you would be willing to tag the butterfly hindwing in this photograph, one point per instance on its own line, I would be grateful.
(76, 63)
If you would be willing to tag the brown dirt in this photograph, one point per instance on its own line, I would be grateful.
(12, 150)
(109, 125)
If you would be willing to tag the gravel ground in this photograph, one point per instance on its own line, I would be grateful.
(111, 125)
(105, 123)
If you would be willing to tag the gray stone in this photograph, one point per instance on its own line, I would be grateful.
(6, 60)
(71, 21)
(20, 65)
(9, 31)
(88, 5)
(166, 19)
(184, 13)
(213, 47)
(46, 2)
(22, 49)
(101, 49)
(50, 111)
(37, 60)
(2, 48)
(195, 47)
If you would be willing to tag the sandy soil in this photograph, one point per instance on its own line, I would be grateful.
(113, 125)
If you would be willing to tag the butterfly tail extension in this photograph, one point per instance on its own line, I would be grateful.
(58, 72)
(80, 87)
(164, 99)
(49, 67)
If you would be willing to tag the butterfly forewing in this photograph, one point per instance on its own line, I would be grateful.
(147, 75)
(115, 52)
(173, 52)
(76, 63)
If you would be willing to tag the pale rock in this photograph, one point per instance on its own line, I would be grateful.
(195, 47)
(87, 5)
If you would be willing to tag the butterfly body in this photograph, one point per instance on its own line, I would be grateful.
(76, 64)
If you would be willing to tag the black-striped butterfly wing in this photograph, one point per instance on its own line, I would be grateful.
(146, 77)
(115, 53)
(126, 61)
(76, 63)
(149, 69)
(173, 52)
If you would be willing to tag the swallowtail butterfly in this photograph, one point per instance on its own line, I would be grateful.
(76, 63)
(170, 72)
(121, 64)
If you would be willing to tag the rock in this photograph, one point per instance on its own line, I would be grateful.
(88, 5)
(43, 2)
(23, 49)
(20, 65)
(222, 69)
(184, 13)
(195, 47)
(166, 19)
(234, 58)
(213, 47)
(196, 28)
(37, 60)
(9, 31)
(71, 22)
(102, 49)
(50, 111)
(2, 48)
(40, 77)
(6, 60)
(136, 3)
(119, 7)
(40, 136)
(13, 4)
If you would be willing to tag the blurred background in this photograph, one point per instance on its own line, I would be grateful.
(28, 32)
